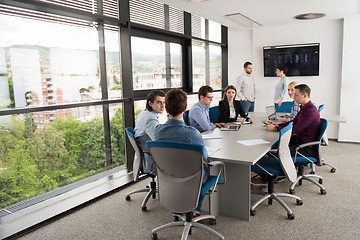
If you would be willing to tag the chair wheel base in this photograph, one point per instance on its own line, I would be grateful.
(291, 216)
(144, 209)
(291, 191)
(154, 236)
(128, 198)
(323, 191)
(299, 202)
(212, 221)
(252, 212)
(333, 170)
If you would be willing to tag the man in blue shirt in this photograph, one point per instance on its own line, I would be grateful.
(199, 112)
(145, 126)
(175, 130)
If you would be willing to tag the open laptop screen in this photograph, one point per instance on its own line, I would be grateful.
(270, 111)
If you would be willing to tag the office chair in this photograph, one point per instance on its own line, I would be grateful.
(186, 117)
(180, 170)
(137, 170)
(300, 161)
(274, 166)
(325, 142)
(284, 108)
(213, 113)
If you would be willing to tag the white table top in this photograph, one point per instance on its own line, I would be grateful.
(231, 151)
(330, 117)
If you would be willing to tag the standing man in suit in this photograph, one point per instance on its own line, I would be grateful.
(145, 126)
(245, 85)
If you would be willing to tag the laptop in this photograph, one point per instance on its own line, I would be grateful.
(271, 112)
(231, 127)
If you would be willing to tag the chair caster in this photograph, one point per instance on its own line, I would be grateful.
(147, 186)
(154, 195)
(311, 172)
(299, 202)
(291, 191)
(176, 218)
(212, 221)
(333, 170)
(320, 181)
(154, 236)
(252, 212)
(144, 209)
(322, 191)
(128, 198)
(291, 216)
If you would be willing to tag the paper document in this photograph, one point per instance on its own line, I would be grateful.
(212, 150)
(252, 142)
(211, 135)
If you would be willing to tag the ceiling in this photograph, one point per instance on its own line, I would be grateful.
(266, 12)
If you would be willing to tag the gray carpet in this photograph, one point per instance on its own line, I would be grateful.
(331, 216)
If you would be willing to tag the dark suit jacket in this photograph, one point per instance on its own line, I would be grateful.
(224, 111)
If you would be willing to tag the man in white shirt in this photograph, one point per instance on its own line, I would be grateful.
(245, 85)
(146, 122)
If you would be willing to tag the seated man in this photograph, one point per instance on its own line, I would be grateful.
(199, 112)
(145, 126)
(306, 126)
(175, 130)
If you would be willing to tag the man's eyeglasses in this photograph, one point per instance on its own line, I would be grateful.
(211, 97)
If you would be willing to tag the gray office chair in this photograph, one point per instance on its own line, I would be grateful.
(277, 165)
(180, 170)
(137, 166)
(301, 160)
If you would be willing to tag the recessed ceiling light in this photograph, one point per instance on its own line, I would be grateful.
(242, 19)
(309, 16)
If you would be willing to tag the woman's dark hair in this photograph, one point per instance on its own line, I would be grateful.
(226, 89)
(283, 68)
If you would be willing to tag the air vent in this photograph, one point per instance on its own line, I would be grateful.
(309, 16)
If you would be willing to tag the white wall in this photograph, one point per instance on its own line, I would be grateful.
(325, 87)
(240, 51)
(350, 81)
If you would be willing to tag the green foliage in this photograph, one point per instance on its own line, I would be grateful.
(117, 138)
(11, 92)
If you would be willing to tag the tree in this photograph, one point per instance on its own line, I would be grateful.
(117, 138)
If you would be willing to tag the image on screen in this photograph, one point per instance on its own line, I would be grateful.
(300, 59)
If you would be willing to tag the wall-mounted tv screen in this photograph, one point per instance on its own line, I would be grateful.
(300, 59)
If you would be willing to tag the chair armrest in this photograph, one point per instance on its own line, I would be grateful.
(221, 170)
(307, 144)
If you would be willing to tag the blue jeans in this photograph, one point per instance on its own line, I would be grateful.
(206, 175)
(248, 106)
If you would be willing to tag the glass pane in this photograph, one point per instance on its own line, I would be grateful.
(148, 62)
(197, 26)
(42, 151)
(193, 98)
(176, 69)
(47, 63)
(113, 70)
(215, 66)
(117, 132)
(214, 31)
(198, 57)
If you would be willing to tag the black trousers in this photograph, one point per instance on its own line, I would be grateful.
(295, 142)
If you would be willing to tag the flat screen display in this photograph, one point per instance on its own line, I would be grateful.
(300, 59)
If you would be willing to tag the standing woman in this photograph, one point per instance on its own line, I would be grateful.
(281, 87)
(230, 110)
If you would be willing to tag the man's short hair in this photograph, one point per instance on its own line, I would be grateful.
(247, 64)
(151, 97)
(204, 90)
(282, 68)
(303, 88)
(175, 101)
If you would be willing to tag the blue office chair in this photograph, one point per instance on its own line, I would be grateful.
(277, 165)
(180, 169)
(284, 108)
(186, 117)
(301, 160)
(325, 142)
(213, 113)
(137, 170)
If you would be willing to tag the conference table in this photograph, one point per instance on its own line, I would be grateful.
(235, 194)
